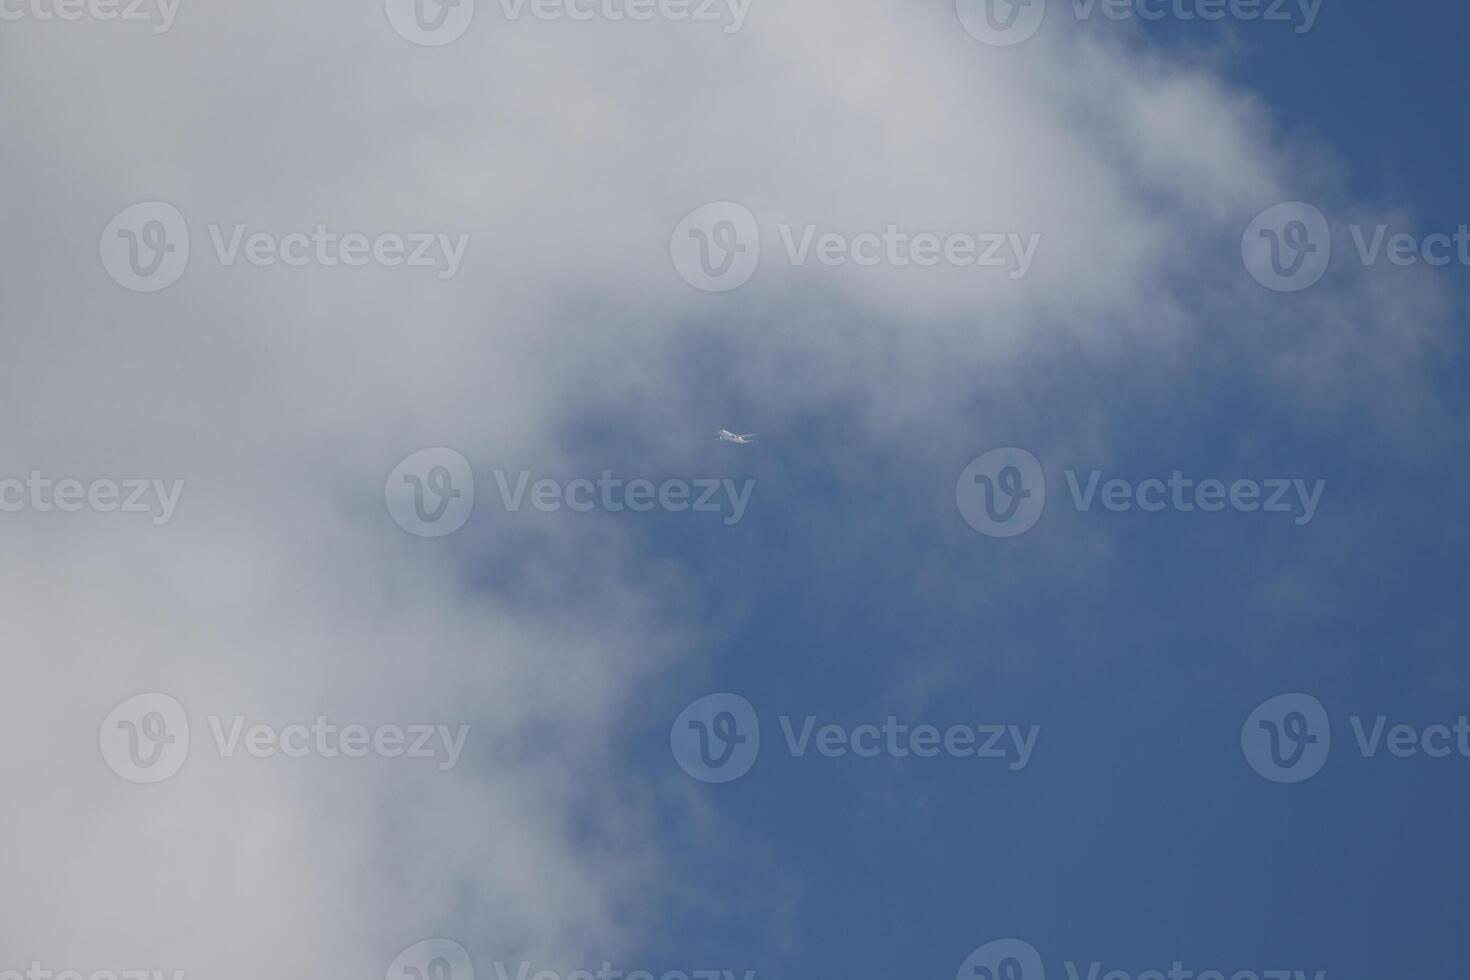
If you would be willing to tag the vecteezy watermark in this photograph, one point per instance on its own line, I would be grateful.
(431, 493)
(1003, 23)
(717, 739)
(1003, 959)
(1178, 971)
(45, 495)
(38, 972)
(325, 739)
(717, 247)
(615, 495)
(1287, 738)
(432, 959)
(430, 23)
(146, 248)
(145, 739)
(1288, 248)
(159, 13)
(527, 971)
(433, 23)
(1016, 959)
(1003, 493)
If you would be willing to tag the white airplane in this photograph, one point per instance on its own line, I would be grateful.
(725, 435)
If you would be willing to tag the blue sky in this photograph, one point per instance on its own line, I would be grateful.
(1138, 836)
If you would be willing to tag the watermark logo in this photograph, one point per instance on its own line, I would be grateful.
(1287, 248)
(431, 493)
(898, 248)
(44, 495)
(326, 739)
(145, 247)
(1097, 970)
(1186, 495)
(1003, 959)
(38, 971)
(432, 959)
(1405, 249)
(1001, 23)
(614, 495)
(730, 13)
(1287, 738)
(431, 23)
(717, 247)
(146, 738)
(717, 738)
(607, 971)
(329, 249)
(1015, 959)
(159, 13)
(1301, 14)
(1002, 493)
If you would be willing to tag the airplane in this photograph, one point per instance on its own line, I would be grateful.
(725, 435)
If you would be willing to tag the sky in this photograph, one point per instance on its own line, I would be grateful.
(1088, 599)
